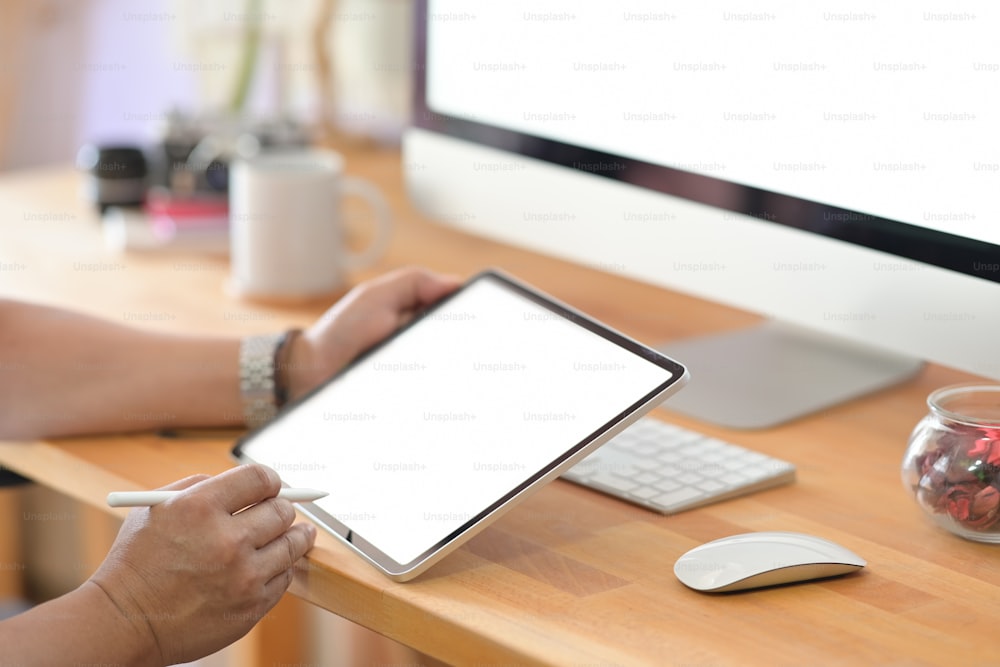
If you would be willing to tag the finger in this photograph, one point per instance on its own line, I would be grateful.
(418, 288)
(433, 286)
(410, 288)
(281, 554)
(185, 483)
(266, 521)
(180, 485)
(279, 583)
(241, 487)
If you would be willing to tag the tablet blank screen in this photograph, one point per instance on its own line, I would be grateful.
(436, 426)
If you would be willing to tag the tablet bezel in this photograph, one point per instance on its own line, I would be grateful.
(571, 456)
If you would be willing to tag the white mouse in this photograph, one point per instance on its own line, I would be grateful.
(753, 560)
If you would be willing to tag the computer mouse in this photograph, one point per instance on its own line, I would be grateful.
(754, 560)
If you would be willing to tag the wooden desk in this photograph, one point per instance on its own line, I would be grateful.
(571, 577)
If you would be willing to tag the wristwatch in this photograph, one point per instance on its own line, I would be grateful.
(257, 378)
(263, 375)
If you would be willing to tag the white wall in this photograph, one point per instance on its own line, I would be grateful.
(130, 75)
(93, 70)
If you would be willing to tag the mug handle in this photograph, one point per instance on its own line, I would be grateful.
(383, 222)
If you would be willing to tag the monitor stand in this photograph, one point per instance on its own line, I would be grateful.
(772, 373)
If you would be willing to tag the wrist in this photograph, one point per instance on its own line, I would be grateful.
(275, 369)
(127, 630)
(283, 366)
(303, 370)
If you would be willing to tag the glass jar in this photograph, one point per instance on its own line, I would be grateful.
(952, 462)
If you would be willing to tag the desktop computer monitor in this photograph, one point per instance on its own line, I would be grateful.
(833, 168)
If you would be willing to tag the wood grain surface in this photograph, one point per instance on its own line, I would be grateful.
(570, 577)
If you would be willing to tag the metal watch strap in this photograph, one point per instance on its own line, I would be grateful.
(257, 378)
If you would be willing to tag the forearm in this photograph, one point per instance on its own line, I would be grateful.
(83, 627)
(64, 373)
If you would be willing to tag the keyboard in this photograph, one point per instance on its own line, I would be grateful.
(670, 469)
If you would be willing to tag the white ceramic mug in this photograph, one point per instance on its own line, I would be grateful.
(286, 231)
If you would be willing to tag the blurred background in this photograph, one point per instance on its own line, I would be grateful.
(78, 71)
(132, 72)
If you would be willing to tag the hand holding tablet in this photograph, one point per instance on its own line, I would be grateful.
(457, 417)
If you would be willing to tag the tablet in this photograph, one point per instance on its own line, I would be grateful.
(437, 431)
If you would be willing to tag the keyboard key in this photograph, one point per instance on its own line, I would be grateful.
(644, 463)
(668, 471)
(645, 492)
(647, 478)
(669, 500)
(711, 486)
(754, 472)
(689, 478)
(612, 481)
(733, 479)
(667, 485)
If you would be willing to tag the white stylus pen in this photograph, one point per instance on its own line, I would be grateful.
(150, 498)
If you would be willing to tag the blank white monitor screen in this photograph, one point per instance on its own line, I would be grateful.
(886, 110)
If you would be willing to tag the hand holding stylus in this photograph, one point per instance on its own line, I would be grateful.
(217, 557)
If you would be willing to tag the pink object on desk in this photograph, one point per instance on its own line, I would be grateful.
(170, 215)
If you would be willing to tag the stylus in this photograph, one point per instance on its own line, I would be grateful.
(150, 498)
